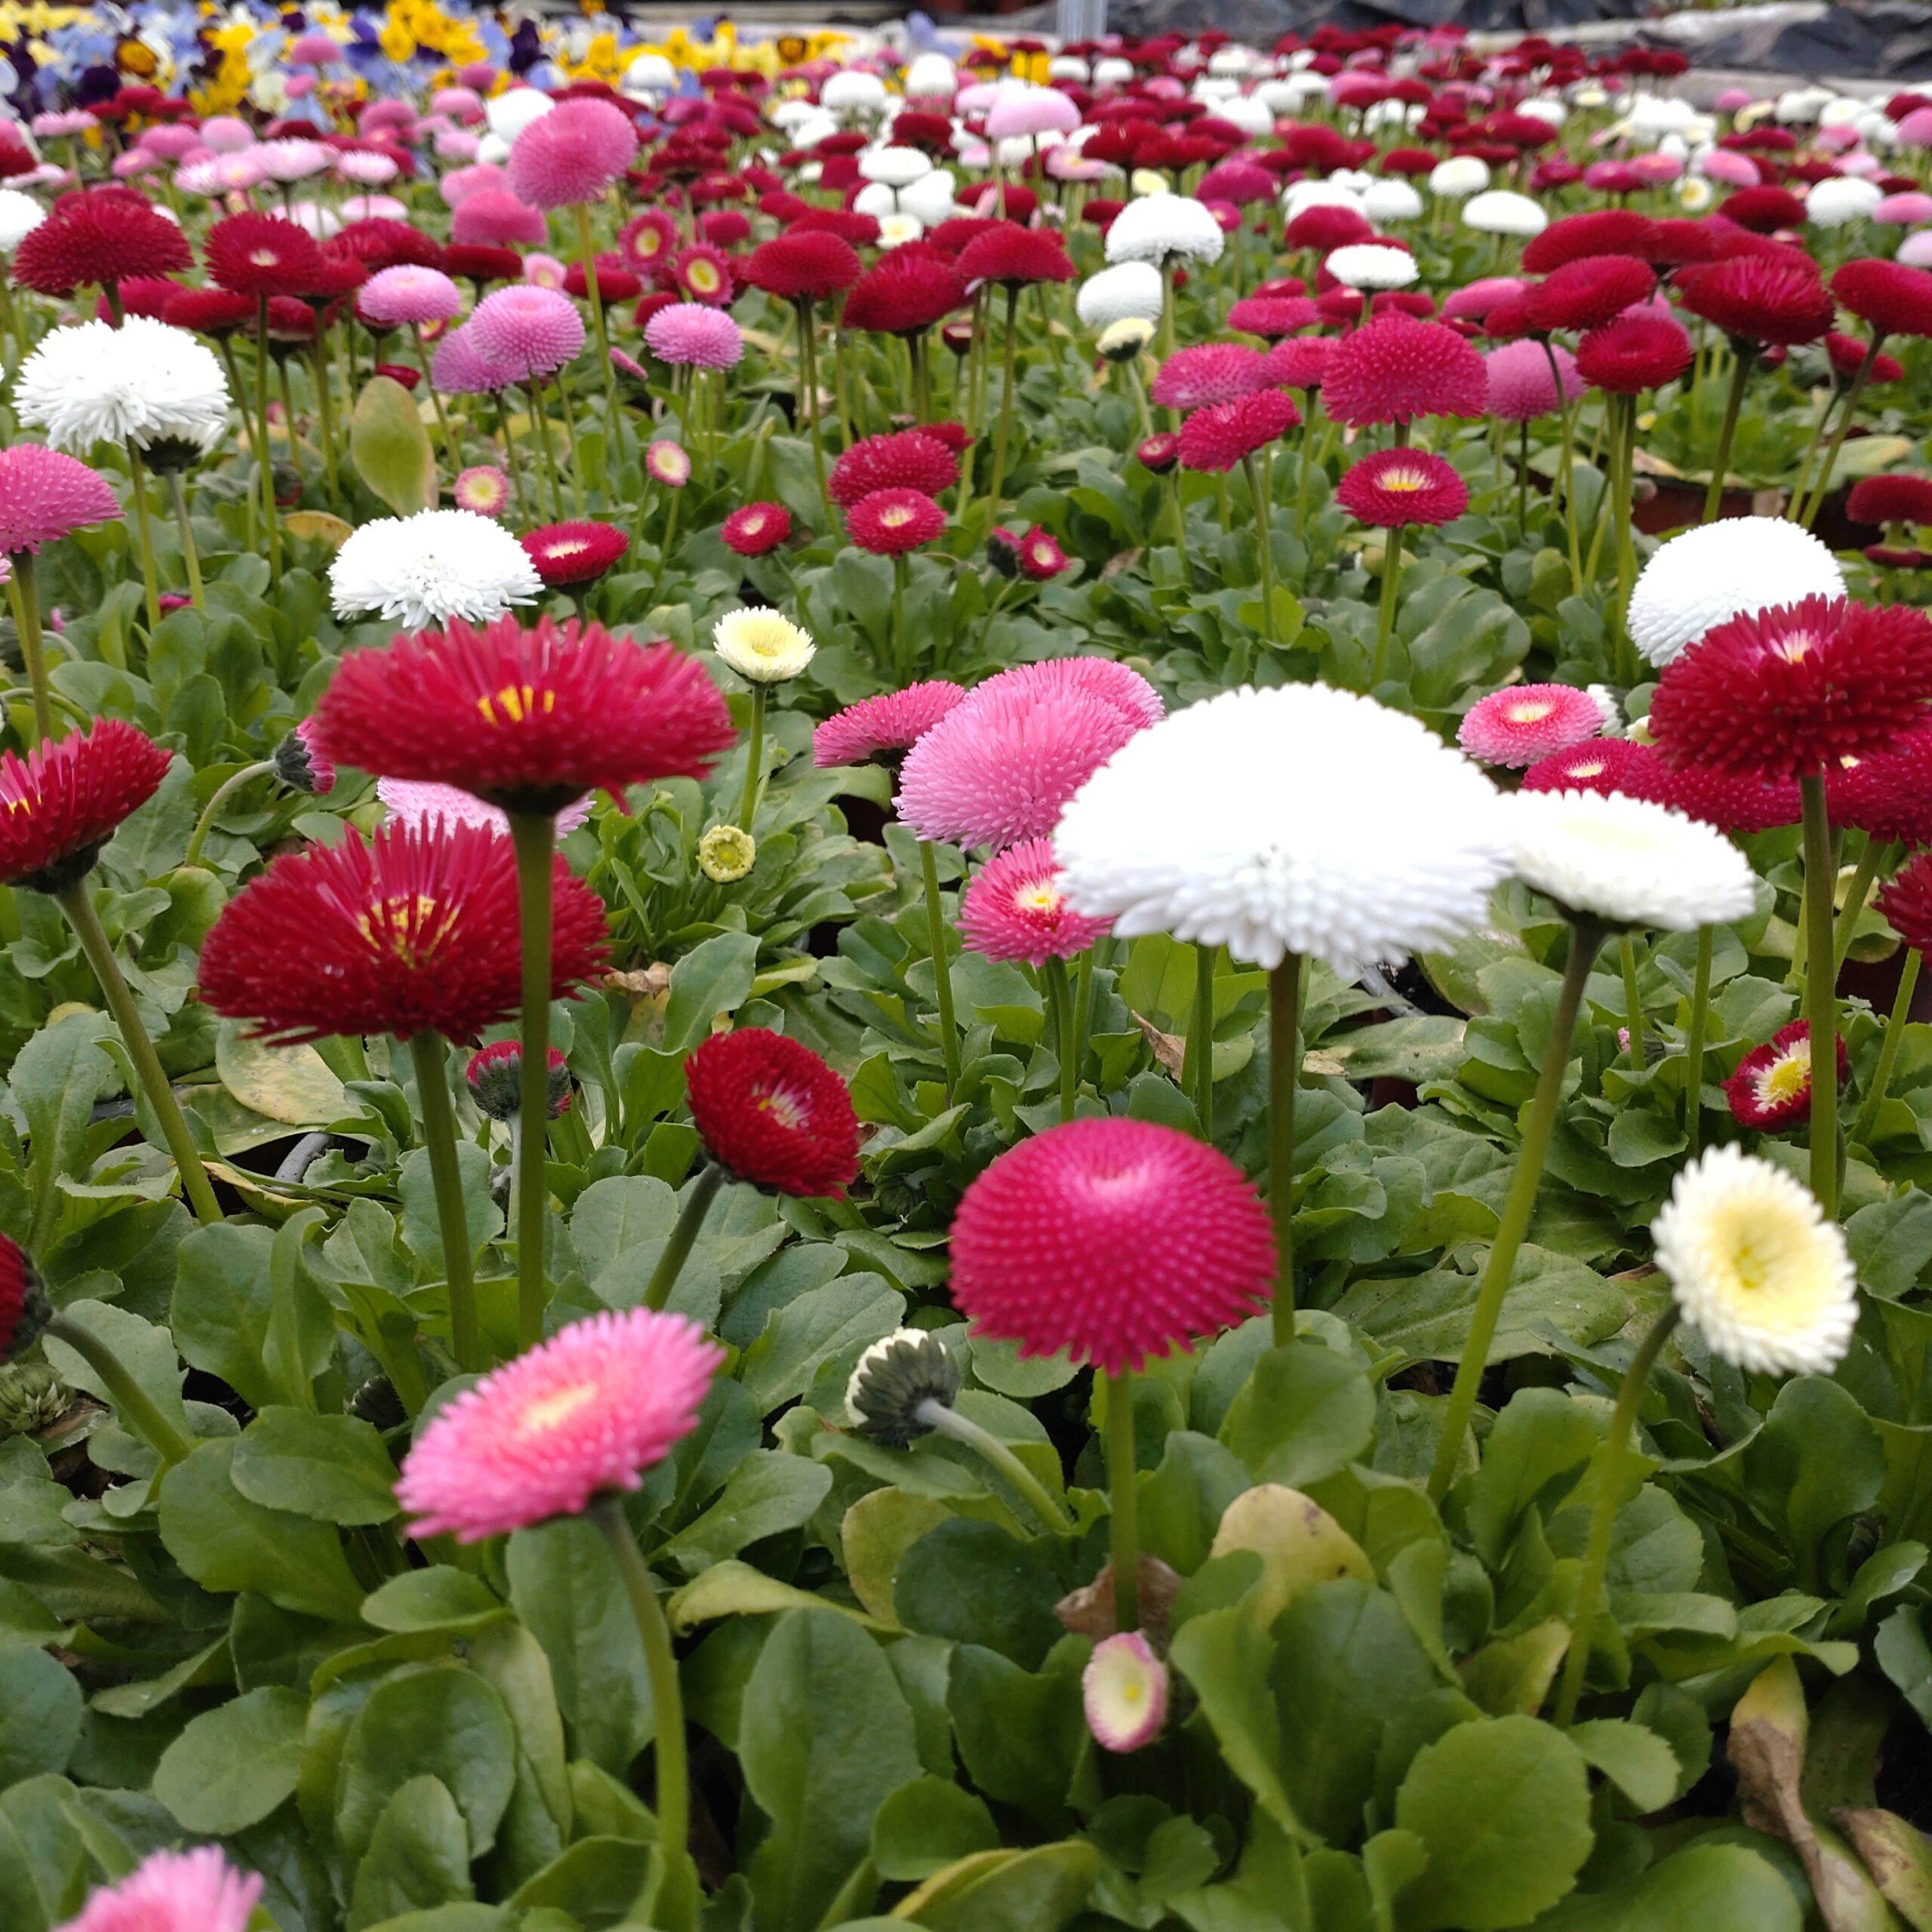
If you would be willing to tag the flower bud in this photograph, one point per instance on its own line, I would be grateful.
(496, 1081)
(300, 766)
(726, 853)
(33, 1397)
(894, 1379)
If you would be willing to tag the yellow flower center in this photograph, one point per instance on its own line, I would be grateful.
(1531, 711)
(408, 928)
(1795, 646)
(548, 1411)
(516, 703)
(1785, 1078)
(702, 275)
(1040, 896)
(1403, 477)
(264, 258)
(896, 518)
(782, 1107)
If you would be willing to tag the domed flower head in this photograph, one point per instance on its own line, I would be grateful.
(1162, 227)
(1888, 794)
(571, 154)
(45, 495)
(1892, 297)
(1733, 801)
(905, 294)
(262, 256)
(1624, 861)
(1895, 498)
(1792, 690)
(1110, 1240)
(763, 646)
(568, 554)
(1589, 292)
(1906, 902)
(1210, 827)
(1758, 301)
(755, 528)
(1523, 723)
(1214, 372)
(99, 239)
(691, 335)
(1396, 486)
(889, 523)
(1755, 1267)
(1602, 764)
(1396, 369)
(143, 383)
(526, 719)
(667, 462)
(802, 267)
(430, 568)
(884, 726)
(415, 933)
(484, 489)
(1702, 578)
(1124, 1690)
(534, 331)
(1522, 386)
(174, 1891)
(1015, 909)
(1225, 434)
(408, 295)
(67, 797)
(495, 1078)
(1273, 318)
(772, 1112)
(1113, 683)
(906, 460)
(1371, 265)
(1632, 353)
(1771, 1089)
(582, 1415)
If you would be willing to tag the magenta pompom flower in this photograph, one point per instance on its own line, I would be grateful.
(1524, 723)
(1771, 1089)
(1603, 765)
(581, 1415)
(1520, 385)
(572, 154)
(1396, 369)
(1015, 909)
(534, 330)
(756, 528)
(1224, 434)
(693, 335)
(1123, 1690)
(568, 555)
(1110, 1240)
(888, 725)
(890, 522)
(1214, 372)
(174, 1891)
(1394, 487)
(45, 495)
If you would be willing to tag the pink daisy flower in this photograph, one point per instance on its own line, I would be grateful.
(1601, 765)
(495, 216)
(174, 1891)
(889, 523)
(584, 1413)
(45, 495)
(1520, 386)
(483, 488)
(418, 801)
(1299, 363)
(1014, 909)
(894, 721)
(408, 295)
(1214, 372)
(1103, 678)
(1526, 722)
(534, 330)
(1125, 1691)
(572, 154)
(460, 367)
(667, 463)
(691, 334)
(755, 528)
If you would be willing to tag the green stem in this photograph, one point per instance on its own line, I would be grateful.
(288, 417)
(1385, 621)
(1888, 1053)
(265, 450)
(1123, 1517)
(754, 760)
(33, 650)
(262, 768)
(698, 1196)
(1083, 1006)
(1059, 996)
(1258, 497)
(1603, 1513)
(1197, 1069)
(534, 835)
(136, 1407)
(1005, 430)
(587, 254)
(1838, 435)
(1584, 942)
(1623, 452)
(138, 474)
(1821, 1003)
(1740, 373)
(808, 402)
(540, 421)
(73, 901)
(432, 1093)
(318, 370)
(984, 1443)
(436, 403)
(936, 929)
(569, 403)
(1284, 1077)
(676, 1906)
(901, 651)
(191, 555)
(1871, 863)
(1633, 1000)
(1694, 1043)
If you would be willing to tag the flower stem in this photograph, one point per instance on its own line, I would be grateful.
(1584, 942)
(936, 929)
(136, 1407)
(587, 254)
(983, 1443)
(33, 652)
(264, 450)
(1849, 409)
(137, 474)
(540, 421)
(901, 648)
(676, 1905)
(691, 1210)
(754, 760)
(212, 810)
(1060, 998)
(1283, 1076)
(1871, 863)
(1258, 498)
(432, 1092)
(1740, 373)
(1005, 430)
(1694, 1043)
(191, 556)
(1821, 1005)
(324, 411)
(74, 901)
(1633, 1000)
(1385, 622)
(1198, 1069)
(1888, 1053)
(436, 403)
(1622, 456)
(534, 835)
(808, 400)
(1603, 1513)
(1123, 1514)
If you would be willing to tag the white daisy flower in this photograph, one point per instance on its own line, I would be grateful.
(1706, 577)
(1164, 227)
(19, 216)
(422, 571)
(1501, 211)
(1129, 293)
(1371, 265)
(762, 645)
(143, 383)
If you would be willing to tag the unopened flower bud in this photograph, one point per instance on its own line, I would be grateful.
(300, 766)
(1124, 1689)
(725, 853)
(893, 1381)
(496, 1081)
(33, 1397)
(1123, 340)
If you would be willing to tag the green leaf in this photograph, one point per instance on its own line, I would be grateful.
(56, 1077)
(594, 1881)
(768, 1493)
(438, 1598)
(1039, 1891)
(333, 1469)
(713, 978)
(145, 1351)
(1817, 1460)
(225, 1541)
(839, 1319)
(390, 448)
(925, 1825)
(443, 1722)
(1305, 1412)
(1537, 1449)
(422, 1228)
(1227, 1659)
(419, 1856)
(40, 1714)
(826, 1735)
(1503, 1806)
(234, 1764)
(1638, 1761)
(1299, 1544)
(1702, 1888)
(223, 1298)
(974, 1582)
(292, 1084)
(1020, 1734)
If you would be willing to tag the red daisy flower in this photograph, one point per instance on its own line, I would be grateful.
(1393, 488)
(1272, 317)
(890, 522)
(1603, 764)
(1847, 354)
(24, 1308)
(1772, 1088)
(99, 238)
(1589, 291)
(860, 231)
(1763, 210)
(567, 554)
(67, 797)
(907, 459)
(772, 1112)
(1793, 690)
(614, 284)
(1111, 1241)
(1888, 794)
(1632, 353)
(1014, 256)
(416, 932)
(1906, 903)
(526, 719)
(881, 727)
(1214, 372)
(1014, 909)
(263, 255)
(905, 294)
(1599, 232)
(1323, 229)
(1898, 498)
(378, 243)
(1755, 300)
(1157, 455)
(756, 528)
(1733, 801)
(802, 267)
(1039, 554)
(495, 1074)
(212, 312)
(481, 263)
(1222, 436)
(1396, 369)
(1893, 299)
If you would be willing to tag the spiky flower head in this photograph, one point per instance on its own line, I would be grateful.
(431, 568)
(771, 1112)
(494, 1076)
(1523, 723)
(68, 797)
(1702, 577)
(174, 1891)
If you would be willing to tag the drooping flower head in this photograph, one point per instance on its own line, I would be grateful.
(1771, 1089)
(581, 1415)
(414, 932)
(1124, 1690)
(1701, 578)
(45, 495)
(174, 1891)
(431, 568)
(571, 154)
(65, 799)
(1393, 488)
(301, 766)
(494, 1076)
(755, 528)
(1523, 723)
(1015, 909)
(885, 726)
(568, 554)
(1111, 1241)
(528, 719)
(772, 1112)
(1396, 369)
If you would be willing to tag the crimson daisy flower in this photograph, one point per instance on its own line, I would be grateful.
(890, 522)
(1597, 232)
(1847, 354)
(1225, 434)
(1396, 369)
(211, 311)
(804, 267)
(1887, 796)
(884, 726)
(1733, 801)
(905, 294)
(526, 719)
(1015, 257)
(263, 255)
(772, 1112)
(1772, 1086)
(1110, 1240)
(1895, 299)
(66, 798)
(416, 932)
(1906, 903)
(907, 459)
(1896, 498)
(99, 238)
(1393, 488)
(1213, 372)
(755, 528)
(1589, 291)
(1756, 300)
(495, 1077)
(1605, 765)
(566, 555)
(1791, 690)
(1632, 353)
(1158, 454)
(24, 1308)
